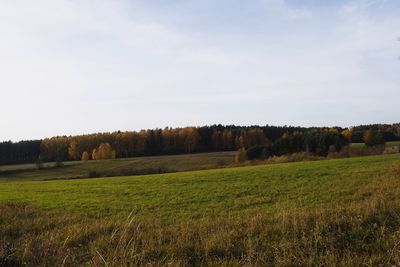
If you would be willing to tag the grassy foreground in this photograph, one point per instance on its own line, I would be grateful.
(334, 212)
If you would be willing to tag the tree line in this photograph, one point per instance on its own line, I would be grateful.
(313, 142)
(272, 140)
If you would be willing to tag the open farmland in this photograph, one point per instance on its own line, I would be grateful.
(200, 133)
(325, 212)
(126, 166)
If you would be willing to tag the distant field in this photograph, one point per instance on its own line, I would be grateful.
(387, 143)
(78, 169)
(31, 166)
(344, 211)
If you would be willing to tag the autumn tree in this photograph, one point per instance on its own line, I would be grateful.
(280, 140)
(347, 134)
(94, 154)
(169, 140)
(140, 145)
(85, 156)
(73, 150)
(239, 141)
(105, 151)
(398, 130)
(240, 155)
(373, 137)
(54, 149)
(191, 138)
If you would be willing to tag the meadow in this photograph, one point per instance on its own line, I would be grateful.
(332, 212)
(117, 167)
(392, 143)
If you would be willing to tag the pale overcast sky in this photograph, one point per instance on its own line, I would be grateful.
(81, 66)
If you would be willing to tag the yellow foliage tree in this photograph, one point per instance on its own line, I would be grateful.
(347, 134)
(73, 151)
(240, 155)
(191, 137)
(85, 156)
(94, 154)
(105, 151)
(239, 141)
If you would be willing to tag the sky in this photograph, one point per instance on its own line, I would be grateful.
(82, 66)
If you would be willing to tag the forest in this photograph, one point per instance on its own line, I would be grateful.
(271, 140)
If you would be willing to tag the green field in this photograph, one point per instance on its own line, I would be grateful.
(138, 165)
(192, 194)
(332, 212)
(392, 143)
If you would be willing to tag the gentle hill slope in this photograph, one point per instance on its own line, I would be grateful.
(116, 167)
(264, 188)
(342, 212)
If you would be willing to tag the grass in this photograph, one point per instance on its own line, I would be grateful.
(198, 193)
(136, 166)
(32, 166)
(156, 164)
(392, 143)
(334, 212)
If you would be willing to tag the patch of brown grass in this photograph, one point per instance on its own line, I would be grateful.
(295, 157)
